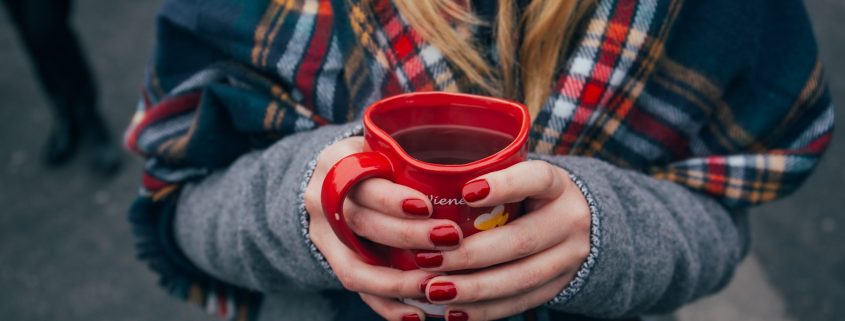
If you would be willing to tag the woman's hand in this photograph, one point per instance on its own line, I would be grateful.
(382, 212)
(525, 263)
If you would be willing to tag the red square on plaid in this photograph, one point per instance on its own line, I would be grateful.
(403, 47)
(592, 93)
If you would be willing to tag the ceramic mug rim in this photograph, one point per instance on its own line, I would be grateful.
(466, 99)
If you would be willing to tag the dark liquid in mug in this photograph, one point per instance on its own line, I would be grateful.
(451, 144)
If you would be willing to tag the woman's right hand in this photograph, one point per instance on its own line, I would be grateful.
(385, 213)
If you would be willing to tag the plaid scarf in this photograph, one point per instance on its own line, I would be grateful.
(651, 85)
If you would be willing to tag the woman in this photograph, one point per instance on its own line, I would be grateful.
(657, 123)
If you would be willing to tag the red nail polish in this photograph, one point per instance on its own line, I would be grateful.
(411, 317)
(442, 291)
(444, 235)
(424, 282)
(475, 190)
(415, 207)
(457, 316)
(428, 259)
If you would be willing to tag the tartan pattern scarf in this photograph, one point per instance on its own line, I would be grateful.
(633, 93)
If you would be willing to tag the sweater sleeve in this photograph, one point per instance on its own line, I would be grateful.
(247, 224)
(655, 244)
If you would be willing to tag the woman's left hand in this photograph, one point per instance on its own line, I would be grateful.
(525, 263)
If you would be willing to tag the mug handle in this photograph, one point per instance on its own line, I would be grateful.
(347, 172)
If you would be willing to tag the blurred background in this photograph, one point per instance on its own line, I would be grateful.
(66, 250)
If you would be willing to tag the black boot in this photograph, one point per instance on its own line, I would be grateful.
(62, 141)
(104, 157)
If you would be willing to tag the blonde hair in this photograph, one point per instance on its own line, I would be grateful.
(525, 73)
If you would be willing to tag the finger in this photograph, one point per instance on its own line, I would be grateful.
(509, 279)
(399, 232)
(390, 309)
(357, 276)
(505, 307)
(391, 198)
(535, 179)
(532, 233)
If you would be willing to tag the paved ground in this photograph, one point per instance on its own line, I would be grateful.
(65, 245)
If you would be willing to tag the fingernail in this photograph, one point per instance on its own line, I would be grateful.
(415, 207)
(475, 190)
(428, 259)
(442, 291)
(424, 282)
(411, 317)
(444, 235)
(457, 316)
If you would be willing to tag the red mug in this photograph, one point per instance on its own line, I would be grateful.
(433, 142)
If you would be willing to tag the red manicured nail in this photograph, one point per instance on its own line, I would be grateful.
(442, 291)
(444, 235)
(411, 317)
(476, 190)
(457, 316)
(428, 259)
(424, 282)
(415, 207)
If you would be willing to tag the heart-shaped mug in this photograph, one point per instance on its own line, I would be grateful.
(434, 142)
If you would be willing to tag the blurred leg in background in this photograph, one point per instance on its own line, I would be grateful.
(44, 28)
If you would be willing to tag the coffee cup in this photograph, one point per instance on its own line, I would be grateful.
(433, 142)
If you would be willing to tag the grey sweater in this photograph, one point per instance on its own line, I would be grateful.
(655, 245)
